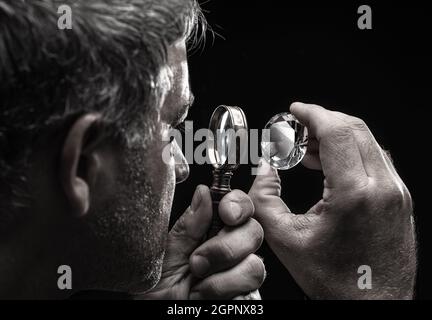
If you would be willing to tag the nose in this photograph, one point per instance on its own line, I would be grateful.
(182, 172)
(181, 165)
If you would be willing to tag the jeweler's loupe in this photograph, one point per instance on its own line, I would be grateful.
(284, 141)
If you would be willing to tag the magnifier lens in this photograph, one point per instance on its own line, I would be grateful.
(284, 141)
(223, 139)
(229, 130)
(228, 126)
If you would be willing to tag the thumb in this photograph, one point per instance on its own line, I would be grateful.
(265, 194)
(270, 210)
(190, 229)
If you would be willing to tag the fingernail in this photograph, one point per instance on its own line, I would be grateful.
(236, 210)
(200, 265)
(195, 296)
(196, 200)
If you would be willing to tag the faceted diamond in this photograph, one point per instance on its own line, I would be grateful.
(284, 141)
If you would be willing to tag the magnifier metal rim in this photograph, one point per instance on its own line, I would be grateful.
(237, 121)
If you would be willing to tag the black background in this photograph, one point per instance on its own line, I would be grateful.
(268, 54)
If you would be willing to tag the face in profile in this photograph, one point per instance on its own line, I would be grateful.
(86, 116)
(121, 239)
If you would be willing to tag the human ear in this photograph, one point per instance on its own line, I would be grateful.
(80, 163)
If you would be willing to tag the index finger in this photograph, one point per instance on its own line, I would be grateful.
(339, 154)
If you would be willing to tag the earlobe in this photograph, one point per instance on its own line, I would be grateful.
(78, 165)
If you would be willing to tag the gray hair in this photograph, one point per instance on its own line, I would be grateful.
(108, 62)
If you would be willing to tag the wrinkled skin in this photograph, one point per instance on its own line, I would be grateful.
(364, 216)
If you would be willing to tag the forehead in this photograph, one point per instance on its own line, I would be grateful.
(179, 92)
(177, 53)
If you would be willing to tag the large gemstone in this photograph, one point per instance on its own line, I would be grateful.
(284, 141)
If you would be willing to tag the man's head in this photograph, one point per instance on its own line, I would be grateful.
(83, 116)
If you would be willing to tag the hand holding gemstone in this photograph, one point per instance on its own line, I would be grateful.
(364, 205)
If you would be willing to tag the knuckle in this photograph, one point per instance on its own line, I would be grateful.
(395, 197)
(183, 230)
(256, 233)
(179, 228)
(248, 206)
(358, 124)
(256, 268)
(265, 186)
(391, 196)
(226, 252)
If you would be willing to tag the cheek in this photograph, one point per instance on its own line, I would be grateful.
(161, 173)
(166, 186)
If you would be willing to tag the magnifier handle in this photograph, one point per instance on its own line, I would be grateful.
(217, 192)
(216, 224)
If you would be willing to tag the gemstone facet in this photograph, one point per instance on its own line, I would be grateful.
(284, 141)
